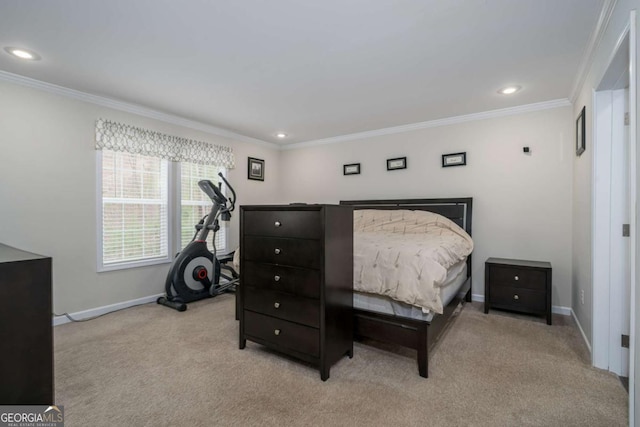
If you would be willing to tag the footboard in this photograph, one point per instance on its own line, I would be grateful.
(415, 334)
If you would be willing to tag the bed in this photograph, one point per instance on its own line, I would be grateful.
(378, 318)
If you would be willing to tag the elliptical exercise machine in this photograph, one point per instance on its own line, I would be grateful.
(196, 272)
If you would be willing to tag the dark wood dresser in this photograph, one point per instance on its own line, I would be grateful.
(518, 285)
(26, 334)
(296, 270)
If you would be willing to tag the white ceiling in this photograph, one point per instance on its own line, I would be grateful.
(312, 69)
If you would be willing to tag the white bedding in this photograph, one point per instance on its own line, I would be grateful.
(456, 277)
(405, 254)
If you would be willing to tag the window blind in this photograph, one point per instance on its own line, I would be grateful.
(134, 208)
(195, 203)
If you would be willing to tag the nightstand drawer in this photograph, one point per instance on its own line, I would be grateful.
(281, 333)
(298, 224)
(293, 252)
(299, 281)
(518, 277)
(520, 299)
(284, 306)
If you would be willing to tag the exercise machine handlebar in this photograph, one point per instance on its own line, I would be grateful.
(216, 195)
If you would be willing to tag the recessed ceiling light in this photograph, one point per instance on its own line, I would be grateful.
(281, 135)
(22, 53)
(509, 90)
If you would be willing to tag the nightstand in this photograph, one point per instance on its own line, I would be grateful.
(518, 285)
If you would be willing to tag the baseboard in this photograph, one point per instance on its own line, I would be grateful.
(477, 297)
(584, 336)
(80, 315)
(556, 309)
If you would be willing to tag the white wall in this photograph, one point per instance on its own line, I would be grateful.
(522, 203)
(48, 192)
(583, 169)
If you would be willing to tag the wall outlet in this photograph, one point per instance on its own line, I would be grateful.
(581, 296)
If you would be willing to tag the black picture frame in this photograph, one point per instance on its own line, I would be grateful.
(351, 169)
(396, 163)
(454, 159)
(581, 129)
(255, 169)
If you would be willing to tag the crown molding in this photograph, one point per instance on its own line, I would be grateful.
(191, 124)
(590, 49)
(129, 108)
(434, 123)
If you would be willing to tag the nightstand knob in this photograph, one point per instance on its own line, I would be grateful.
(278, 224)
(277, 332)
(276, 278)
(276, 305)
(277, 251)
(516, 278)
(516, 297)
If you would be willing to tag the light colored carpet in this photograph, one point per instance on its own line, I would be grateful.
(152, 366)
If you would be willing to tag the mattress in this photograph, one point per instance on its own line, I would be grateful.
(456, 276)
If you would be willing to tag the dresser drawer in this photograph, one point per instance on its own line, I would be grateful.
(300, 281)
(518, 298)
(293, 252)
(281, 333)
(518, 277)
(284, 306)
(299, 224)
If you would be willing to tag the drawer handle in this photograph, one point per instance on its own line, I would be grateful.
(516, 278)
(276, 278)
(277, 251)
(276, 305)
(278, 224)
(516, 297)
(277, 332)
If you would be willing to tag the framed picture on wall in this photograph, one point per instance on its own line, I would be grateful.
(351, 169)
(580, 132)
(397, 163)
(454, 159)
(255, 169)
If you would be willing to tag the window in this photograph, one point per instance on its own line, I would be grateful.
(195, 203)
(135, 209)
(148, 196)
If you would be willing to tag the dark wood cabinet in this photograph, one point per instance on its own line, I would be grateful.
(518, 285)
(26, 334)
(296, 265)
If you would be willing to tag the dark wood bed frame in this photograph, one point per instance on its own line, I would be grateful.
(416, 334)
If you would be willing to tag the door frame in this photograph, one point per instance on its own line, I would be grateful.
(601, 212)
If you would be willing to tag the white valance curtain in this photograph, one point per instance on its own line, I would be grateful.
(120, 137)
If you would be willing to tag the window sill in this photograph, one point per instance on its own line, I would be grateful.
(133, 264)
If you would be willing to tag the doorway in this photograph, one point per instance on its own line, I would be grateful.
(614, 214)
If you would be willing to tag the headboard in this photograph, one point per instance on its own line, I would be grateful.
(458, 210)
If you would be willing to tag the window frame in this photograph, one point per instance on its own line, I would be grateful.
(174, 218)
